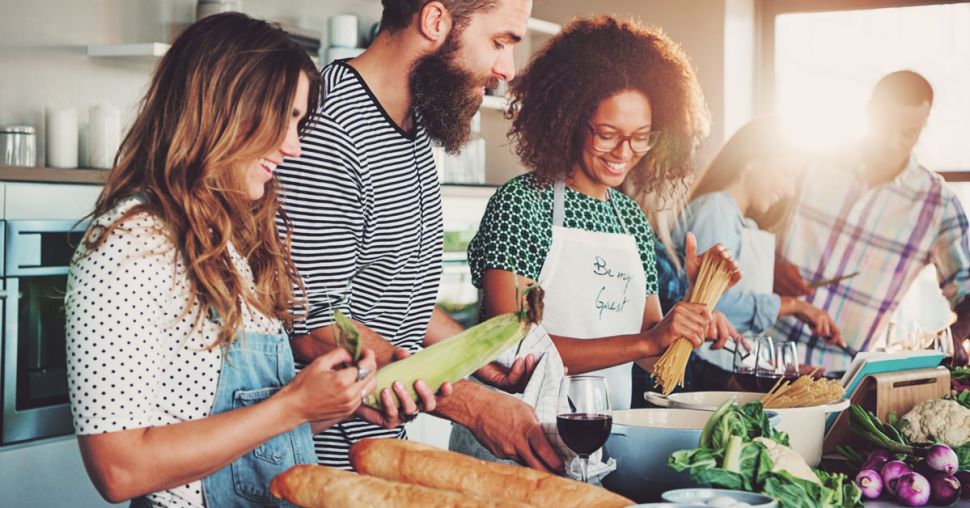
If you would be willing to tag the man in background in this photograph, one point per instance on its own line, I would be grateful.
(875, 210)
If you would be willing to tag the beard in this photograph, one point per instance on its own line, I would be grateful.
(445, 95)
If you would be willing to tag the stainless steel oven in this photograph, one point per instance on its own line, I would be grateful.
(36, 255)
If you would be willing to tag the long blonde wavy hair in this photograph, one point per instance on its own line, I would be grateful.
(219, 100)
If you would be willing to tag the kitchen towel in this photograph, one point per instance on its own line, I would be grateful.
(543, 392)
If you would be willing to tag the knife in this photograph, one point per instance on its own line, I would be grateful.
(826, 282)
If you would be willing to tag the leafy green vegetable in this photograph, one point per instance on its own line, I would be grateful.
(959, 373)
(962, 397)
(728, 456)
(882, 435)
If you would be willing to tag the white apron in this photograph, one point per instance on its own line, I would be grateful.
(595, 287)
(756, 260)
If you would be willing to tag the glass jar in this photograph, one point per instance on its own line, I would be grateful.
(18, 146)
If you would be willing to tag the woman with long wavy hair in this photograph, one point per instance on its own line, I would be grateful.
(180, 372)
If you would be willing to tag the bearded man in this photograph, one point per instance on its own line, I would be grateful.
(365, 206)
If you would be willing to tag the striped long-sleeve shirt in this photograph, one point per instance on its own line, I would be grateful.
(365, 205)
(887, 233)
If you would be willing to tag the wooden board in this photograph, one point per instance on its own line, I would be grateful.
(891, 391)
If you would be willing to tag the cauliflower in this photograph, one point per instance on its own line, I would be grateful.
(785, 459)
(938, 419)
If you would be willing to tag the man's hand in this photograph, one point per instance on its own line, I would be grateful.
(509, 429)
(394, 415)
(511, 380)
(788, 280)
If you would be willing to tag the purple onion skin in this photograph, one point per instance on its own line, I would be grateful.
(924, 469)
(964, 478)
(876, 459)
(870, 483)
(891, 471)
(942, 458)
(944, 489)
(912, 489)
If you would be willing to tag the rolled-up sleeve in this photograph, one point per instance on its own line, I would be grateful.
(713, 219)
(950, 253)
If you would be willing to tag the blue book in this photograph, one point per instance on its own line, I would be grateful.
(869, 363)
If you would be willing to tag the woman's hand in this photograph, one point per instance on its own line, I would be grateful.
(721, 331)
(817, 319)
(319, 392)
(692, 262)
(690, 321)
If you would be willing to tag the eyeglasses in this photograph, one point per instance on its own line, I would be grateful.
(607, 141)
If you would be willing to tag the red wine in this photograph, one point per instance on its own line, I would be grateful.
(748, 381)
(584, 433)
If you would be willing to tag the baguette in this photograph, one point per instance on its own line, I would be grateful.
(410, 462)
(324, 487)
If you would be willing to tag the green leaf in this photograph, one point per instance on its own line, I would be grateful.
(347, 335)
(963, 454)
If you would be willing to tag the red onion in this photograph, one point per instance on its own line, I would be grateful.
(891, 471)
(912, 489)
(964, 478)
(870, 483)
(941, 457)
(944, 489)
(876, 459)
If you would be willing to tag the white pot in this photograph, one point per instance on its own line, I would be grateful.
(805, 426)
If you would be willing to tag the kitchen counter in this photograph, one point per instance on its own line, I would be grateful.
(54, 175)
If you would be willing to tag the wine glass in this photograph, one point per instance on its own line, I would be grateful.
(585, 423)
(746, 362)
(764, 368)
(943, 343)
(786, 360)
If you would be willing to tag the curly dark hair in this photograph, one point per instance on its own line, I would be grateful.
(589, 61)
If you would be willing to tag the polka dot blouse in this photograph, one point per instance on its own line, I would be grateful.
(133, 357)
(516, 230)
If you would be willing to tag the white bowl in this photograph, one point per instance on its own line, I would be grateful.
(805, 426)
(700, 496)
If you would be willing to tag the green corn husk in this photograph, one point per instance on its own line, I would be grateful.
(451, 359)
(347, 335)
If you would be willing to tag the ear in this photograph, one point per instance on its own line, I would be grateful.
(435, 22)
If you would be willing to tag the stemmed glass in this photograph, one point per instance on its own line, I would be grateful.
(749, 366)
(585, 423)
(786, 360)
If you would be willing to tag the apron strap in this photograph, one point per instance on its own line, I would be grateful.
(558, 209)
(558, 195)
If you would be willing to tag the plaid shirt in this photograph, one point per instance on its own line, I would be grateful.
(887, 233)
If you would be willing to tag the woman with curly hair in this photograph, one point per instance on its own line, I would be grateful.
(603, 103)
(180, 372)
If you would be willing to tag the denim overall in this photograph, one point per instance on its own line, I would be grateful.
(255, 367)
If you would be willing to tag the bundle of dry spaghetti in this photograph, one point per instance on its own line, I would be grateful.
(712, 281)
(803, 392)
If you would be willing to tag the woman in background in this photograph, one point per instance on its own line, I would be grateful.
(180, 372)
(739, 200)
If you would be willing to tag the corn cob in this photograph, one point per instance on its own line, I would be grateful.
(457, 357)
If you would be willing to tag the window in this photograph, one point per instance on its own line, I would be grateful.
(823, 65)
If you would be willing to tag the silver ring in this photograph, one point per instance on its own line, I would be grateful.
(362, 373)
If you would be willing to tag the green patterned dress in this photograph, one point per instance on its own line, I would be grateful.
(516, 231)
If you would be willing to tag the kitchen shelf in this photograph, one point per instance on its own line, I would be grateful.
(137, 50)
(543, 27)
(467, 190)
(54, 175)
